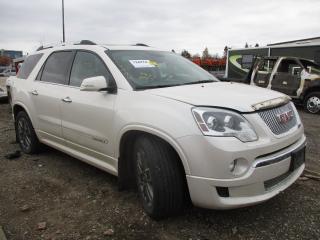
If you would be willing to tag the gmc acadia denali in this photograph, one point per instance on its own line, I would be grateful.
(155, 119)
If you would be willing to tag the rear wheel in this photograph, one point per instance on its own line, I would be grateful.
(312, 102)
(160, 180)
(25, 133)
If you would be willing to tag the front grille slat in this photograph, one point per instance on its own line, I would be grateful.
(270, 118)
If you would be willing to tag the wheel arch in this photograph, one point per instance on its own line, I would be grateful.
(127, 136)
(17, 107)
(310, 90)
(313, 86)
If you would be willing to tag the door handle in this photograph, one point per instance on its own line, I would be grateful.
(34, 92)
(66, 100)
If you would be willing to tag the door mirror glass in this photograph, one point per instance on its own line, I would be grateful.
(94, 84)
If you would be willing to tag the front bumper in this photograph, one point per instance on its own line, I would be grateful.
(268, 172)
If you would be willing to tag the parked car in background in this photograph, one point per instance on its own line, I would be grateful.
(299, 78)
(161, 123)
(8, 73)
(3, 93)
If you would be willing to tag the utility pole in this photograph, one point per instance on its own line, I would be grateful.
(63, 35)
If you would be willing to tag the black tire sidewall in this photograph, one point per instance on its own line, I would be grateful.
(167, 177)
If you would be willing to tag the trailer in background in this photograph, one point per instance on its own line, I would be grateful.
(239, 61)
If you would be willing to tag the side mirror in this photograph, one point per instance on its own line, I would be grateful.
(94, 84)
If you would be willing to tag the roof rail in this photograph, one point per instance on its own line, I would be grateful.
(141, 44)
(85, 42)
(42, 48)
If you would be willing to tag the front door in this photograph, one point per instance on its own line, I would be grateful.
(87, 117)
(287, 78)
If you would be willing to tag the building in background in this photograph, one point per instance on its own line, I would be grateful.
(7, 58)
(11, 53)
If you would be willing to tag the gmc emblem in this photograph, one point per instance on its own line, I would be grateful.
(285, 117)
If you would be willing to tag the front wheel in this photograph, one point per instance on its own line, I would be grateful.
(160, 179)
(312, 102)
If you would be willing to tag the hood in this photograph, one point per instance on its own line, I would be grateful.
(230, 95)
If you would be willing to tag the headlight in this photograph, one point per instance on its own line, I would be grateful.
(223, 123)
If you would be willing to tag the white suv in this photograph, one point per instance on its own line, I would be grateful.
(161, 123)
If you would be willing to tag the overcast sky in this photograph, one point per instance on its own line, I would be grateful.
(167, 24)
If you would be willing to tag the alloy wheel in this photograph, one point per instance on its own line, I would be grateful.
(144, 178)
(313, 104)
(24, 133)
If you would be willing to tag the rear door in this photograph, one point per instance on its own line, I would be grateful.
(287, 77)
(87, 117)
(47, 92)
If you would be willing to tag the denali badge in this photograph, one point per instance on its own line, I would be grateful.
(285, 116)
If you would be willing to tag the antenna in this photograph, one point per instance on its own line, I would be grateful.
(63, 34)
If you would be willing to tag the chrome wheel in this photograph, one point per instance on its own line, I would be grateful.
(144, 181)
(24, 134)
(313, 104)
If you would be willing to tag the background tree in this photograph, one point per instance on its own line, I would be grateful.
(257, 45)
(205, 53)
(246, 46)
(185, 54)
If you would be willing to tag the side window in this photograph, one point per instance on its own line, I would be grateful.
(57, 67)
(87, 65)
(28, 65)
(289, 66)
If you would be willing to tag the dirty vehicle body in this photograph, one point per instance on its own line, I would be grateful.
(157, 120)
(299, 78)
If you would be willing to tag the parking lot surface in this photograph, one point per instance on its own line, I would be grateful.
(54, 196)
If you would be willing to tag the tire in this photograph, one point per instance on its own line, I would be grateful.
(311, 103)
(159, 177)
(25, 134)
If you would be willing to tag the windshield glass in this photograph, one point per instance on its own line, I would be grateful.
(312, 67)
(154, 69)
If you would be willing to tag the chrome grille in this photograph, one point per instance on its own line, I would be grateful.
(271, 118)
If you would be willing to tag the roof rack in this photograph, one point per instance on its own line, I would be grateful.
(141, 44)
(82, 42)
(43, 47)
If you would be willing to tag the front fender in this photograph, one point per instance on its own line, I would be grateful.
(157, 132)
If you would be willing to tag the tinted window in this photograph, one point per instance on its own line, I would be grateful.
(57, 68)
(87, 65)
(29, 65)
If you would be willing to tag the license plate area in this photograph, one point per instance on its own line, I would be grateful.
(297, 158)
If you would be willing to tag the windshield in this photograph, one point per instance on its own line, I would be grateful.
(312, 67)
(154, 69)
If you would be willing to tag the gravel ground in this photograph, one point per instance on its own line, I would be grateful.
(54, 196)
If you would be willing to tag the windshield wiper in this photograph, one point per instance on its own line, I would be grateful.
(157, 86)
(200, 81)
(173, 85)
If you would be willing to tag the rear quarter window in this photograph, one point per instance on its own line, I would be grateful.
(57, 67)
(28, 65)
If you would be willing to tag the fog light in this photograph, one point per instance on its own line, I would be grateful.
(239, 166)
